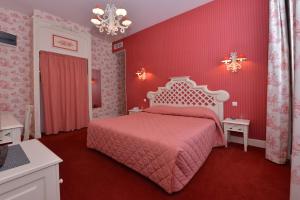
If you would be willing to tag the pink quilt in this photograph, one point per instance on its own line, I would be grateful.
(168, 148)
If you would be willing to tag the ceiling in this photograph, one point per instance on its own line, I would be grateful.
(143, 13)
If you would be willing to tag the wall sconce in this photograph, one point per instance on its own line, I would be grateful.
(233, 63)
(142, 74)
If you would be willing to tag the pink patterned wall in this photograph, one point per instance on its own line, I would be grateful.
(112, 78)
(16, 87)
(16, 64)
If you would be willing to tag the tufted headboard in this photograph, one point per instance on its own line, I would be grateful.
(184, 92)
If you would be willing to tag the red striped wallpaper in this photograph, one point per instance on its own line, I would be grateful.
(194, 43)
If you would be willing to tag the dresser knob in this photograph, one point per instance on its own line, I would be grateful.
(61, 180)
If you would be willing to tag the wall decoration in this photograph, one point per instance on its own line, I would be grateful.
(65, 43)
(117, 46)
(234, 62)
(141, 74)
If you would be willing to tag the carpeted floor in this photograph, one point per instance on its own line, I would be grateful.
(227, 174)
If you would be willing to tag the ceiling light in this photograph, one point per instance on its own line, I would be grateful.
(98, 11)
(121, 12)
(95, 21)
(126, 22)
(111, 20)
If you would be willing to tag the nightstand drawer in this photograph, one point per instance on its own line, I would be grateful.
(234, 127)
(133, 112)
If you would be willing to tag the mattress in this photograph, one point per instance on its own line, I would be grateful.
(166, 148)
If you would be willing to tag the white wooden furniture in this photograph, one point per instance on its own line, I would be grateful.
(27, 124)
(134, 111)
(237, 125)
(10, 127)
(38, 180)
(184, 92)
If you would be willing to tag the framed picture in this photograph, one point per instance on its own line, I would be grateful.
(65, 43)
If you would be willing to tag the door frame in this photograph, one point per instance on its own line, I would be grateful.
(43, 30)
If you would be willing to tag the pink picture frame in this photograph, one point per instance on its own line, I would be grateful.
(64, 43)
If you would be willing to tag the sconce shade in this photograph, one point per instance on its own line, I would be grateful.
(233, 63)
(142, 74)
(241, 58)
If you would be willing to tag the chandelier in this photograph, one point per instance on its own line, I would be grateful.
(111, 20)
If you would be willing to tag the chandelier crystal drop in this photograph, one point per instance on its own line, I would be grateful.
(111, 20)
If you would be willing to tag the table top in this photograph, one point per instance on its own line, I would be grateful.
(237, 121)
(40, 157)
(8, 121)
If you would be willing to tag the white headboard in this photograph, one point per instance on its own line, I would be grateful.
(184, 92)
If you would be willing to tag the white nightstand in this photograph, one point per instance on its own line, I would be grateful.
(134, 111)
(237, 125)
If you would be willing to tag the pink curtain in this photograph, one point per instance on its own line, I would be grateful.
(295, 42)
(65, 92)
(278, 100)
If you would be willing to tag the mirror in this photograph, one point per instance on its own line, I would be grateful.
(96, 88)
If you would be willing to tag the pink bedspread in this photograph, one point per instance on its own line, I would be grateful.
(167, 149)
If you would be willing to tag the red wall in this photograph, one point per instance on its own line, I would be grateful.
(194, 43)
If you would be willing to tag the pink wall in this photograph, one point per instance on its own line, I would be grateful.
(194, 43)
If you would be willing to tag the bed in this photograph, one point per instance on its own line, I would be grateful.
(170, 140)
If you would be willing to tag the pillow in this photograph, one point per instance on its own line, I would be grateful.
(200, 112)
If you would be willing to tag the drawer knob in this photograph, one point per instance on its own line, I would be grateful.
(61, 180)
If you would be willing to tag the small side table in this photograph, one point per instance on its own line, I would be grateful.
(10, 127)
(134, 111)
(237, 125)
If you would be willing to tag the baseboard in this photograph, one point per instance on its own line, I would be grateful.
(251, 142)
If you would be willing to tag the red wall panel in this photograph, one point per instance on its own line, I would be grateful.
(194, 43)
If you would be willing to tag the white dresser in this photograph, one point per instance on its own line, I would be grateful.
(10, 128)
(38, 180)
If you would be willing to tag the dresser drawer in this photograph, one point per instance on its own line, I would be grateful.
(234, 127)
(38, 185)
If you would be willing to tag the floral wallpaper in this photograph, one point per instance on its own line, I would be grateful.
(112, 78)
(278, 102)
(16, 64)
(16, 84)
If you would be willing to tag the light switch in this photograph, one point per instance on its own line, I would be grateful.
(234, 103)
